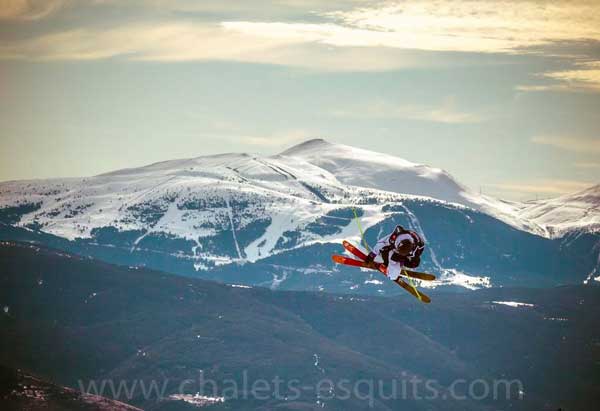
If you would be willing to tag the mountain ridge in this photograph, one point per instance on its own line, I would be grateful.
(204, 213)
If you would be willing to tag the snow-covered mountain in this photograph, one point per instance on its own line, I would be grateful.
(579, 211)
(260, 219)
(358, 167)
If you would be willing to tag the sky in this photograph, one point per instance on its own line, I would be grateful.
(504, 95)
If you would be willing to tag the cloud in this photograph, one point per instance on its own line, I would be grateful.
(585, 76)
(545, 87)
(165, 41)
(575, 144)
(445, 113)
(442, 25)
(173, 42)
(377, 36)
(544, 186)
(27, 10)
(582, 77)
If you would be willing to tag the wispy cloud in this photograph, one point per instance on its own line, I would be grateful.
(377, 36)
(444, 113)
(443, 25)
(167, 41)
(585, 76)
(173, 42)
(582, 77)
(575, 144)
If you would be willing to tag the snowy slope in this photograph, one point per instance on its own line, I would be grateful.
(191, 199)
(359, 167)
(579, 211)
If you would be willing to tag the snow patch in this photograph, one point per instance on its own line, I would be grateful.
(239, 286)
(456, 278)
(316, 364)
(277, 280)
(513, 304)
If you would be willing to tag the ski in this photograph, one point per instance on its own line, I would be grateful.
(383, 269)
(342, 259)
(354, 250)
(413, 291)
(358, 253)
(419, 275)
(409, 273)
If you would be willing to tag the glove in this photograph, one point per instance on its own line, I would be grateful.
(370, 257)
(413, 262)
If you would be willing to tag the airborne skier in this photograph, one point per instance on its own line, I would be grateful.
(401, 248)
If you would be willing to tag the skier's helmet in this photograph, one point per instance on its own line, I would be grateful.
(404, 248)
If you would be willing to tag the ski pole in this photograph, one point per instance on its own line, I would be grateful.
(362, 235)
(412, 284)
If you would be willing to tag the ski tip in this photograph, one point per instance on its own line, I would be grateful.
(420, 276)
(422, 297)
(339, 259)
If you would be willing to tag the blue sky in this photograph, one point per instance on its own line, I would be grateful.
(505, 95)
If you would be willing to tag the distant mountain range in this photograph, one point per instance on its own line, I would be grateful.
(84, 324)
(274, 221)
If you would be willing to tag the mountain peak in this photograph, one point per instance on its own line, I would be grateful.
(366, 168)
(311, 144)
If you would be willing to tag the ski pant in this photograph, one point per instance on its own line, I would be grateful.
(394, 269)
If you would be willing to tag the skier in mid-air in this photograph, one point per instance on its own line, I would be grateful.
(401, 248)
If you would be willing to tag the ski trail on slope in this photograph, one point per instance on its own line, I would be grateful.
(569, 239)
(280, 222)
(448, 275)
(149, 231)
(137, 241)
(416, 225)
(230, 214)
